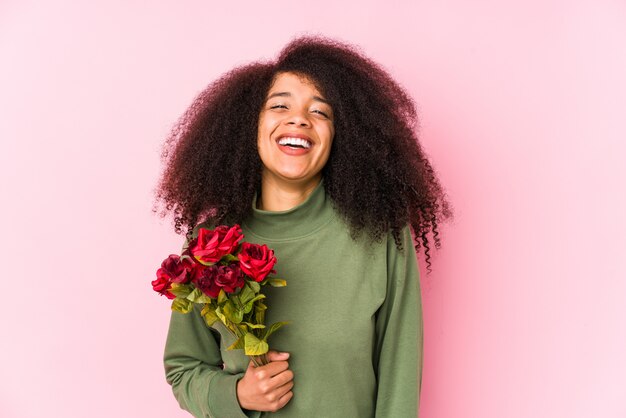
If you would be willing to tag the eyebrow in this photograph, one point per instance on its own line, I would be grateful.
(287, 94)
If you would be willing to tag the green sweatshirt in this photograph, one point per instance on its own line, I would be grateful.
(355, 337)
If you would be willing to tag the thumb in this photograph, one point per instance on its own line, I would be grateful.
(250, 366)
(277, 356)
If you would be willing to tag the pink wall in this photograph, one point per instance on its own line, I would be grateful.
(523, 108)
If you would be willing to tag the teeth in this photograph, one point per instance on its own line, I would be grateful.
(294, 142)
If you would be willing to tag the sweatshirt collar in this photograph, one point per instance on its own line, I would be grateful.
(299, 221)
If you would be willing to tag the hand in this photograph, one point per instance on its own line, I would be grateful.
(266, 388)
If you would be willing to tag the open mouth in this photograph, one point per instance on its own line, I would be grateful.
(288, 141)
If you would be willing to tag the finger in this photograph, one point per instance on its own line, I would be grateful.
(251, 365)
(274, 368)
(277, 356)
(284, 399)
(281, 378)
(282, 391)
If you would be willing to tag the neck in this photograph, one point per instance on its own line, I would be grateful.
(280, 196)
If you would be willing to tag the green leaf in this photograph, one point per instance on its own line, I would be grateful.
(180, 290)
(195, 294)
(210, 318)
(182, 305)
(236, 301)
(239, 344)
(248, 307)
(204, 298)
(232, 313)
(254, 326)
(259, 312)
(204, 263)
(246, 294)
(258, 297)
(254, 346)
(228, 258)
(209, 315)
(222, 298)
(275, 326)
(221, 315)
(256, 287)
(206, 308)
(274, 282)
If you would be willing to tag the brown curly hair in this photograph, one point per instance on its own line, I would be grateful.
(377, 175)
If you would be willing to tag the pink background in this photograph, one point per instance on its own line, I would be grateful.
(522, 112)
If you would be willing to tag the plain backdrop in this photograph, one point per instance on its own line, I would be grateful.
(522, 111)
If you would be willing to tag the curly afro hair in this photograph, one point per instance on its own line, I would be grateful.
(377, 176)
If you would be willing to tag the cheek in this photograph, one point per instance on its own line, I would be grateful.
(263, 133)
(326, 132)
(326, 155)
(331, 136)
(267, 126)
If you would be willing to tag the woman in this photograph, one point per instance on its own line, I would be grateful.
(315, 155)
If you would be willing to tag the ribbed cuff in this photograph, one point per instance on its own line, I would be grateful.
(223, 400)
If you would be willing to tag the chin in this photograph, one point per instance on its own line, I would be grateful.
(296, 177)
(299, 179)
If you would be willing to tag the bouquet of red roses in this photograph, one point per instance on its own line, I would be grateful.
(226, 277)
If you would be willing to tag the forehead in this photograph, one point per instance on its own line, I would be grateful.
(293, 82)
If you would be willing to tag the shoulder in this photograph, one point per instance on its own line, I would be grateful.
(402, 242)
(195, 231)
(402, 258)
(201, 225)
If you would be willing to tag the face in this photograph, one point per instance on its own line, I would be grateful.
(295, 131)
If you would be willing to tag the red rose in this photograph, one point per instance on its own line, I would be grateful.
(204, 279)
(211, 279)
(162, 286)
(212, 245)
(229, 278)
(256, 260)
(174, 269)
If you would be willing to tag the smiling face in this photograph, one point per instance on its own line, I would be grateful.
(295, 132)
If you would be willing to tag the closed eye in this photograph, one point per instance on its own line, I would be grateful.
(321, 113)
(278, 106)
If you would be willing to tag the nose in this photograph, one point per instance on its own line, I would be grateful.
(298, 118)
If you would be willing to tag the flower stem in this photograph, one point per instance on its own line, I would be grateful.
(257, 360)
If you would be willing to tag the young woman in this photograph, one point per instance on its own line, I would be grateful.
(314, 154)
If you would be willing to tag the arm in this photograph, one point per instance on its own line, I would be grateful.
(399, 335)
(193, 366)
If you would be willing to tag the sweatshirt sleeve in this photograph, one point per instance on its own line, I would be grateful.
(399, 335)
(193, 367)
